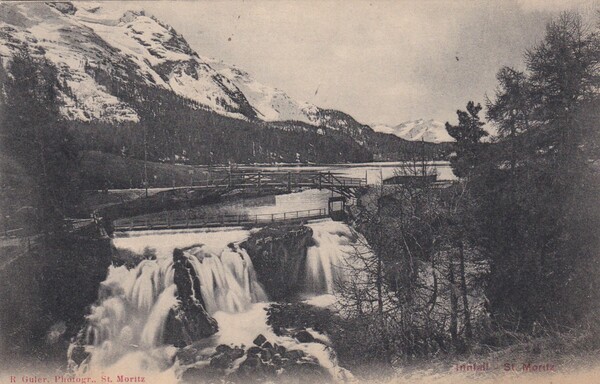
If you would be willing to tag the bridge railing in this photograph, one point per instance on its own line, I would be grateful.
(197, 221)
(279, 179)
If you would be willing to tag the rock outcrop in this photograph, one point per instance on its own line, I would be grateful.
(279, 257)
(262, 362)
(188, 321)
(47, 284)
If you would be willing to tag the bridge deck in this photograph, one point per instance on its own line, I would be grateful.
(169, 221)
(276, 179)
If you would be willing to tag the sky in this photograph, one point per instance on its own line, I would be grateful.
(380, 61)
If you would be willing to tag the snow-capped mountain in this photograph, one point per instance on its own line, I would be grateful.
(78, 37)
(427, 130)
(271, 104)
(129, 67)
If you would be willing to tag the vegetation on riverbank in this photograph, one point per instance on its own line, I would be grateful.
(506, 258)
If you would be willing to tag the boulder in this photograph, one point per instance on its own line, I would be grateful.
(266, 355)
(254, 368)
(253, 351)
(188, 321)
(267, 345)
(294, 354)
(279, 256)
(187, 356)
(224, 356)
(304, 336)
(260, 340)
(78, 354)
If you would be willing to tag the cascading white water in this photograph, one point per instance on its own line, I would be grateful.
(326, 260)
(134, 304)
(126, 326)
(228, 281)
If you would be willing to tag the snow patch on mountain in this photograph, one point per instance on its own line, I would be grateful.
(164, 56)
(68, 45)
(86, 35)
(427, 130)
(93, 44)
(271, 104)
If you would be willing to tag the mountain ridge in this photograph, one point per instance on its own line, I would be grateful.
(416, 130)
(110, 64)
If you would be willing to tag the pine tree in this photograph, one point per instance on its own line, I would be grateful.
(468, 134)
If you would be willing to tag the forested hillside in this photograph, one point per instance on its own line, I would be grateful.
(129, 84)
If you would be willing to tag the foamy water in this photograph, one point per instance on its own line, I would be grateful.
(126, 327)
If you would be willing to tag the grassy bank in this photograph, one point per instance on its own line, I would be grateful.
(100, 170)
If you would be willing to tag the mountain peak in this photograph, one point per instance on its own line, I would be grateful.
(416, 130)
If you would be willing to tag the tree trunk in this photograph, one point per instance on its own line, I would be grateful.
(463, 284)
(453, 303)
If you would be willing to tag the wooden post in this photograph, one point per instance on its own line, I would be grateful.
(289, 181)
(259, 181)
(272, 218)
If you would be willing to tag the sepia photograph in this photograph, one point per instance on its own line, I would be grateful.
(300, 192)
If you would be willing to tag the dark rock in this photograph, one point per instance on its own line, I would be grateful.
(187, 356)
(304, 337)
(79, 354)
(280, 349)
(222, 348)
(221, 361)
(279, 256)
(254, 367)
(267, 345)
(250, 364)
(204, 374)
(260, 340)
(188, 321)
(280, 331)
(266, 354)
(236, 353)
(277, 360)
(186, 325)
(283, 317)
(294, 354)
(253, 351)
(224, 356)
(65, 7)
(309, 371)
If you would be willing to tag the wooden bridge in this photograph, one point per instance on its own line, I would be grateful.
(183, 220)
(258, 180)
(223, 182)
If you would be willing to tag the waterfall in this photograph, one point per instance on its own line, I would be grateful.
(228, 281)
(134, 304)
(126, 328)
(326, 260)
